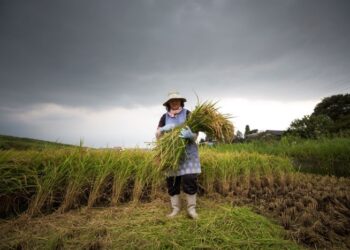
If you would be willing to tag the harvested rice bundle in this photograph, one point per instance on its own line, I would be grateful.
(170, 148)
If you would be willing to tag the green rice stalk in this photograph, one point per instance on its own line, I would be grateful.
(122, 172)
(104, 165)
(78, 179)
(54, 176)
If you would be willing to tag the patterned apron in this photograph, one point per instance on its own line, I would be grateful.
(189, 163)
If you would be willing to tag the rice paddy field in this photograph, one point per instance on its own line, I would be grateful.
(326, 156)
(276, 195)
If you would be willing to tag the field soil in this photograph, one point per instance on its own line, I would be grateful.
(313, 209)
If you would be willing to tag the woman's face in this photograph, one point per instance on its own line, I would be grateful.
(175, 104)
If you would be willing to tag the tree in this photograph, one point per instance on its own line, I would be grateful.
(238, 137)
(247, 130)
(337, 107)
(311, 126)
(239, 134)
(330, 116)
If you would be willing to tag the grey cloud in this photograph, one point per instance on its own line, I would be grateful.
(127, 53)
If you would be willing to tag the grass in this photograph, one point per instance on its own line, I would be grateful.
(330, 156)
(22, 143)
(225, 169)
(145, 226)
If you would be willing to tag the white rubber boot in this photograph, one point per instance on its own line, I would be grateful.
(175, 204)
(191, 205)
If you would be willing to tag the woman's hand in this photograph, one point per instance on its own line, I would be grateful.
(186, 133)
(161, 130)
(158, 133)
(167, 127)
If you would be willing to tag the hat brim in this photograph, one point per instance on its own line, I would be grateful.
(183, 99)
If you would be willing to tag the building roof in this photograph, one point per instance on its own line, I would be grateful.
(269, 131)
(275, 132)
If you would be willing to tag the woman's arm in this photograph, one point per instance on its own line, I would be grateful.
(195, 136)
(158, 134)
(161, 123)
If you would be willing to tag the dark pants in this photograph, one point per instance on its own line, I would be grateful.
(189, 184)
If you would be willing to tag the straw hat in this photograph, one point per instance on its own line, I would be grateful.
(174, 95)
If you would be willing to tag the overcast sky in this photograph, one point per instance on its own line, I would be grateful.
(100, 70)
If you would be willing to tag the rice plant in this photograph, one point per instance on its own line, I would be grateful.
(41, 181)
(326, 156)
(78, 178)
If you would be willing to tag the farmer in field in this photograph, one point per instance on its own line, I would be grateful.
(189, 167)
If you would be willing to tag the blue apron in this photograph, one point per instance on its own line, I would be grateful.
(189, 163)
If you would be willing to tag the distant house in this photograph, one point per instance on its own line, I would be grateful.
(277, 133)
(267, 134)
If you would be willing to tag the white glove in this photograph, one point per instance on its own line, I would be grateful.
(167, 127)
(186, 133)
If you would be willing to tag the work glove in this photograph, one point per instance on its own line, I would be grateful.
(186, 133)
(167, 127)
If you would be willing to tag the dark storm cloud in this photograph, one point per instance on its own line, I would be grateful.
(97, 53)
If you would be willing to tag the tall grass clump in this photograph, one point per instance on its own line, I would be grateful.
(18, 180)
(222, 171)
(79, 173)
(205, 117)
(52, 179)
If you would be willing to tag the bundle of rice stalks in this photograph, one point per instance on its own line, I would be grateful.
(206, 118)
(170, 149)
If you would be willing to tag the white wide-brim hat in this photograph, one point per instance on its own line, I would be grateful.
(174, 95)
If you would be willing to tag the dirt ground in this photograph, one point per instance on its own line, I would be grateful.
(314, 209)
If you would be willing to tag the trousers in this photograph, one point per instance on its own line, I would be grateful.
(189, 184)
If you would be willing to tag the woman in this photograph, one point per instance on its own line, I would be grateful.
(189, 166)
